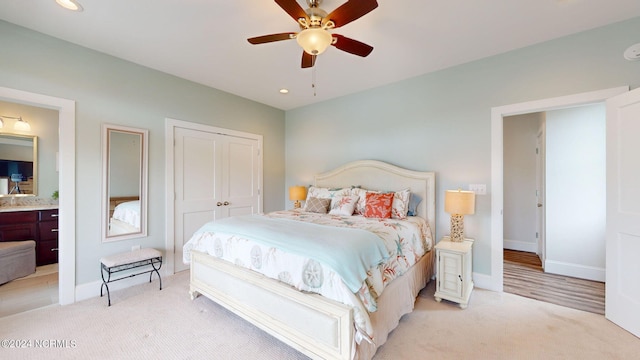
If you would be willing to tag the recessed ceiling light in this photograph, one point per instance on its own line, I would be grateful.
(72, 5)
(284, 91)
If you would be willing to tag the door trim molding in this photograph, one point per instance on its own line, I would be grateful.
(497, 163)
(170, 125)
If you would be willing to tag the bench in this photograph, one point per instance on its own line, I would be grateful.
(17, 259)
(114, 264)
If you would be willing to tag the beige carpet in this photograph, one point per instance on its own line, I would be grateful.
(144, 322)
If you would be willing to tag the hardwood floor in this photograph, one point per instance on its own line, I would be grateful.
(523, 276)
(30, 292)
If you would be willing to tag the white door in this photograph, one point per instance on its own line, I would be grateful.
(215, 176)
(240, 177)
(197, 158)
(622, 304)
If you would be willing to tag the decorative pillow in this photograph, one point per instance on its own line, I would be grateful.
(343, 205)
(378, 205)
(362, 200)
(400, 204)
(414, 201)
(317, 205)
(327, 193)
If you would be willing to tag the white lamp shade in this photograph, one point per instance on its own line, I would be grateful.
(459, 202)
(314, 41)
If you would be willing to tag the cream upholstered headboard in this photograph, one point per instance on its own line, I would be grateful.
(378, 175)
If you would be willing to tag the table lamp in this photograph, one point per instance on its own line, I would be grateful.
(459, 203)
(297, 194)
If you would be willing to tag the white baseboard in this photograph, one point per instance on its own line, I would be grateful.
(487, 282)
(574, 270)
(518, 245)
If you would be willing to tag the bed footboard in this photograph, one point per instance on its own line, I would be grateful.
(318, 327)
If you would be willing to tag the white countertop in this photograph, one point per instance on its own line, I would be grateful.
(27, 208)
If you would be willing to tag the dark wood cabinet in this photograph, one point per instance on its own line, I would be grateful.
(38, 225)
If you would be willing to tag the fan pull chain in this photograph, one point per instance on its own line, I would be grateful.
(313, 80)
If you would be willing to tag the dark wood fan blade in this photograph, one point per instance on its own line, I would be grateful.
(292, 8)
(351, 10)
(352, 46)
(308, 60)
(271, 38)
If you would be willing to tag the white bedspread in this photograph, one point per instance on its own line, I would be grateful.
(406, 241)
(128, 212)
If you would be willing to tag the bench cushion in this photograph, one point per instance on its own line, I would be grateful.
(130, 257)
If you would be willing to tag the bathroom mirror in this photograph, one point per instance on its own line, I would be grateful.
(124, 201)
(18, 165)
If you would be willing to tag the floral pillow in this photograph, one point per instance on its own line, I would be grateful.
(362, 200)
(378, 205)
(317, 205)
(400, 206)
(343, 205)
(327, 193)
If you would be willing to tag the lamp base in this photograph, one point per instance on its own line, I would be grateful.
(297, 204)
(457, 228)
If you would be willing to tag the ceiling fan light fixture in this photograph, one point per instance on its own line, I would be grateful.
(314, 41)
(72, 5)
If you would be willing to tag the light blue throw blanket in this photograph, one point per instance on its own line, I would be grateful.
(349, 252)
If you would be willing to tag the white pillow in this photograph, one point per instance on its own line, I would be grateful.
(343, 205)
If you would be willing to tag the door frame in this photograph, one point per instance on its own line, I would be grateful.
(170, 125)
(540, 196)
(495, 280)
(67, 183)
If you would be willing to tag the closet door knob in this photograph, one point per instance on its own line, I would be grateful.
(226, 203)
(219, 203)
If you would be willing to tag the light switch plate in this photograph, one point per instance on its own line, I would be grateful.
(479, 189)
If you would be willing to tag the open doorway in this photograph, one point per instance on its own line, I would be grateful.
(34, 149)
(66, 175)
(555, 205)
(495, 282)
(555, 170)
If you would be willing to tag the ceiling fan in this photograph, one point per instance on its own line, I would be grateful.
(314, 36)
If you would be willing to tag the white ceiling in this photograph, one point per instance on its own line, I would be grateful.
(205, 40)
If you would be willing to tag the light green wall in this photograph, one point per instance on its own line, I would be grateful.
(110, 90)
(441, 121)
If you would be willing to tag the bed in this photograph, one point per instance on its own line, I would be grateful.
(125, 216)
(319, 325)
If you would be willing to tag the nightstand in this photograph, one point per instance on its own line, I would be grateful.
(454, 264)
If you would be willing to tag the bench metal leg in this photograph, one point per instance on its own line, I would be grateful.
(105, 284)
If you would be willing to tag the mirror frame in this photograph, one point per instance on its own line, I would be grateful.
(34, 140)
(107, 130)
